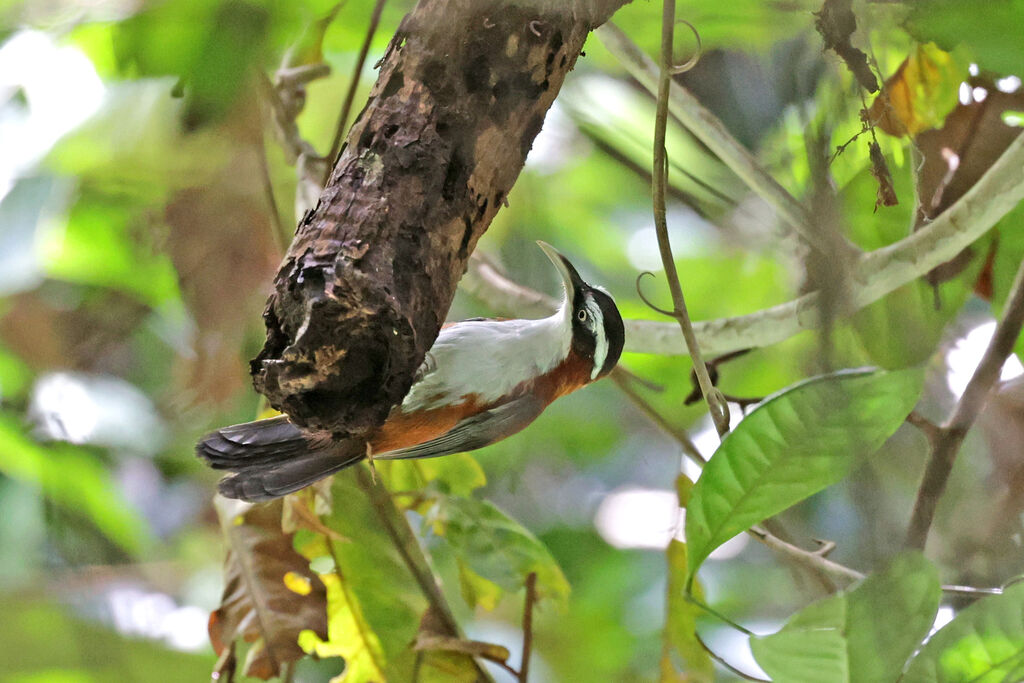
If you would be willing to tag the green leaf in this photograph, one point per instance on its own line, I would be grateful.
(988, 28)
(983, 644)
(348, 636)
(791, 446)
(73, 478)
(458, 474)
(863, 635)
(476, 590)
(680, 649)
(497, 547)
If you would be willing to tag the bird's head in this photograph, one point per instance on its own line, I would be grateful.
(597, 330)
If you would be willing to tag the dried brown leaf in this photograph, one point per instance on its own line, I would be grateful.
(270, 593)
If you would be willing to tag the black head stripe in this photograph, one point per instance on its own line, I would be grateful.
(614, 330)
(584, 341)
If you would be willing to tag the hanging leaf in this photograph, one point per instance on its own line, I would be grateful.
(985, 642)
(680, 649)
(496, 547)
(791, 446)
(863, 636)
(270, 593)
(920, 94)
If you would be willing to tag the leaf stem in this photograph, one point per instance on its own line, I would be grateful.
(531, 600)
(717, 406)
(951, 435)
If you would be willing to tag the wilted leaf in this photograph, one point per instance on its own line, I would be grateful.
(791, 446)
(864, 635)
(270, 593)
(984, 643)
(497, 547)
(920, 94)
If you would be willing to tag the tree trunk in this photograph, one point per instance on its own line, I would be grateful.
(368, 279)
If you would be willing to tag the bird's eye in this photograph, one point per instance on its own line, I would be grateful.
(582, 315)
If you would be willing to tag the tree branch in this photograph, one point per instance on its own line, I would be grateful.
(947, 444)
(876, 274)
(368, 279)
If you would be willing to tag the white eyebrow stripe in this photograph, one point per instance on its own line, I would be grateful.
(601, 340)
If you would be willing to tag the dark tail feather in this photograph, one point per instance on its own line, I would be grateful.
(273, 457)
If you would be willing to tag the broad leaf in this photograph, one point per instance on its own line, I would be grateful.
(349, 636)
(375, 604)
(791, 446)
(983, 644)
(270, 593)
(496, 547)
(864, 635)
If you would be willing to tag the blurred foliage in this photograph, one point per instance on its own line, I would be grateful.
(138, 241)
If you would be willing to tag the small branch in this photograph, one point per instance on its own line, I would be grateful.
(408, 547)
(277, 229)
(531, 599)
(814, 560)
(353, 85)
(719, 410)
(713, 133)
(975, 396)
(877, 273)
(622, 381)
(932, 432)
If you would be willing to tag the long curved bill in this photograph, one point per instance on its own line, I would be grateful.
(570, 278)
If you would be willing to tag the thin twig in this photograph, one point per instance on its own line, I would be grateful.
(350, 94)
(719, 410)
(622, 381)
(408, 547)
(277, 229)
(531, 599)
(974, 398)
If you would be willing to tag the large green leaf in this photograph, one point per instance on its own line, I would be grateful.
(496, 547)
(864, 635)
(791, 446)
(988, 28)
(983, 644)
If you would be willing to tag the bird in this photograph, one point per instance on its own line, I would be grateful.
(483, 380)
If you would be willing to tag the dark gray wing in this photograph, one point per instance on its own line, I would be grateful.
(475, 432)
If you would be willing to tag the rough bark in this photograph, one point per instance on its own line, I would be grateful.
(371, 272)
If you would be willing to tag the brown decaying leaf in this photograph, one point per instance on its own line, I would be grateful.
(880, 170)
(836, 22)
(257, 604)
